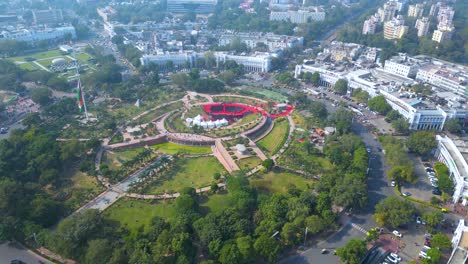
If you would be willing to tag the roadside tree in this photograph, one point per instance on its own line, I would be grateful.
(393, 212)
(353, 252)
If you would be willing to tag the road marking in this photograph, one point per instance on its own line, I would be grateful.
(359, 228)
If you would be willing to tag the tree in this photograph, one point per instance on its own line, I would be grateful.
(99, 251)
(353, 251)
(392, 115)
(341, 86)
(360, 95)
(245, 246)
(315, 78)
(268, 164)
(230, 254)
(291, 233)
(434, 256)
(400, 125)
(315, 224)
(267, 247)
(402, 173)
(421, 142)
(318, 110)
(441, 241)
(180, 79)
(41, 96)
(342, 119)
(394, 212)
(379, 104)
(434, 218)
(453, 126)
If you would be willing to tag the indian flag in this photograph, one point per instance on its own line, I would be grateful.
(79, 95)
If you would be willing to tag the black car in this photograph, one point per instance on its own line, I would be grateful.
(436, 191)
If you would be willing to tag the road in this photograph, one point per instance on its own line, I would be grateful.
(378, 189)
(12, 251)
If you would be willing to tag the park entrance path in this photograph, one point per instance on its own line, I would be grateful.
(223, 156)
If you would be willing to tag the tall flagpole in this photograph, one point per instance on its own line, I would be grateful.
(79, 86)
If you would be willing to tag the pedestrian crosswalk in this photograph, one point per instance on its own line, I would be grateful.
(359, 228)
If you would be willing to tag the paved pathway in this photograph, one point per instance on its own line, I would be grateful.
(11, 250)
(223, 156)
(41, 66)
(292, 127)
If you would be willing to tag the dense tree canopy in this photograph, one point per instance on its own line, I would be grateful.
(421, 142)
(353, 252)
(394, 212)
(341, 86)
(379, 104)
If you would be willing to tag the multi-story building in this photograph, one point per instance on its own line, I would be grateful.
(252, 39)
(445, 75)
(38, 34)
(445, 15)
(459, 244)
(300, 16)
(258, 62)
(370, 25)
(450, 154)
(415, 10)
(422, 25)
(188, 6)
(402, 65)
(50, 16)
(388, 11)
(178, 60)
(434, 9)
(442, 34)
(395, 28)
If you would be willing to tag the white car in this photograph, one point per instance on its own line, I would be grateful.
(396, 233)
(391, 259)
(393, 183)
(418, 220)
(395, 256)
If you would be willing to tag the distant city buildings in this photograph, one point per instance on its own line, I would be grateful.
(50, 16)
(258, 62)
(36, 34)
(415, 10)
(370, 25)
(422, 25)
(270, 40)
(445, 27)
(299, 16)
(395, 28)
(402, 65)
(388, 11)
(188, 6)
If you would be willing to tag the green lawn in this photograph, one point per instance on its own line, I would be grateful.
(28, 66)
(272, 142)
(172, 148)
(47, 62)
(249, 163)
(214, 203)
(114, 159)
(248, 118)
(83, 57)
(271, 95)
(134, 214)
(280, 181)
(188, 172)
(39, 55)
(160, 111)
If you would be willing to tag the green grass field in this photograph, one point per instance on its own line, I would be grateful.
(83, 56)
(272, 142)
(114, 159)
(249, 163)
(45, 59)
(172, 148)
(135, 214)
(158, 112)
(214, 203)
(281, 182)
(271, 95)
(189, 172)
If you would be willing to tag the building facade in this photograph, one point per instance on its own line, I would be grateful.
(188, 6)
(252, 39)
(179, 60)
(370, 25)
(449, 154)
(299, 16)
(402, 65)
(253, 63)
(35, 35)
(422, 25)
(395, 28)
(415, 10)
(50, 16)
(444, 75)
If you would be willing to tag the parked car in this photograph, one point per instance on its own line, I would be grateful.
(428, 236)
(436, 191)
(396, 233)
(418, 220)
(391, 259)
(394, 255)
(406, 194)
(393, 183)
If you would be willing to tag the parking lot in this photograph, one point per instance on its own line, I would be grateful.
(422, 188)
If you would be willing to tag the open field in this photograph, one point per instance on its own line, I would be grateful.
(158, 112)
(45, 59)
(114, 159)
(249, 163)
(172, 148)
(271, 95)
(272, 142)
(188, 172)
(280, 181)
(214, 203)
(135, 214)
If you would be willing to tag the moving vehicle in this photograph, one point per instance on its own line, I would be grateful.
(418, 220)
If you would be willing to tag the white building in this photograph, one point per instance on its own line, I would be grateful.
(179, 60)
(188, 6)
(388, 11)
(415, 10)
(445, 15)
(300, 16)
(402, 65)
(442, 34)
(395, 28)
(449, 154)
(252, 39)
(34, 35)
(258, 62)
(422, 25)
(445, 75)
(459, 244)
(370, 25)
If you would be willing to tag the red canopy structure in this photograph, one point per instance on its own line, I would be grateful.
(237, 110)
